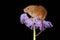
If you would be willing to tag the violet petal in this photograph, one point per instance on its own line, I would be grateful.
(29, 23)
(47, 24)
(23, 18)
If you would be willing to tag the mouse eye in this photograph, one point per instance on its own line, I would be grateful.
(27, 8)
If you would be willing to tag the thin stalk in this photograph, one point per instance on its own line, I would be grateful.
(34, 33)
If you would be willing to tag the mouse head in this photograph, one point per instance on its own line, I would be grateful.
(29, 8)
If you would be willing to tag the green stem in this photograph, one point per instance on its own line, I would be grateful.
(34, 33)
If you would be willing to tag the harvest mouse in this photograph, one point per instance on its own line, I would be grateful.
(34, 10)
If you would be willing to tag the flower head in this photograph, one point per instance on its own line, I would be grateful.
(24, 19)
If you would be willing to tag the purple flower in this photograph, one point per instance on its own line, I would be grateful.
(24, 19)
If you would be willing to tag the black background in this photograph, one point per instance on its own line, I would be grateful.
(21, 32)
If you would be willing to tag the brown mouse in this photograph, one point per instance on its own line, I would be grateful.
(35, 10)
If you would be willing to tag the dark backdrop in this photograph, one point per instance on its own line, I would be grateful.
(24, 33)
